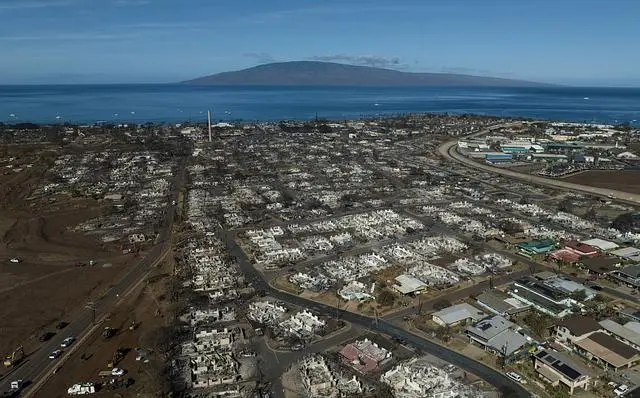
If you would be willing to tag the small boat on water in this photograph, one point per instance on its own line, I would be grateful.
(585, 98)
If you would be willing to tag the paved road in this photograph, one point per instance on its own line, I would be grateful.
(449, 151)
(37, 365)
(495, 378)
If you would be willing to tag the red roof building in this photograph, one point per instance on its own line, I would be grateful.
(566, 255)
(581, 249)
(364, 355)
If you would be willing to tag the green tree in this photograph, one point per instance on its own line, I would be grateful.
(386, 298)
(538, 323)
(579, 295)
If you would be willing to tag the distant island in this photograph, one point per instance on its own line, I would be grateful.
(315, 73)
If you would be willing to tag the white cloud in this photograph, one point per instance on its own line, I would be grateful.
(22, 5)
(263, 58)
(364, 60)
(131, 3)
(68, 36)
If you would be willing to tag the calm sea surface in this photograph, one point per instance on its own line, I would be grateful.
(174, 103)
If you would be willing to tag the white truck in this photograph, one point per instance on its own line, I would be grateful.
(16, 385)
(117, 372)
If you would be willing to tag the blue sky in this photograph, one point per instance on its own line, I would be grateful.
(585, 42)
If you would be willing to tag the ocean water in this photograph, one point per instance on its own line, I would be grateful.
(177, 103)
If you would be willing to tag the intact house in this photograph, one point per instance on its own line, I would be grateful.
(457, 314)
(553, 296)
(557, 368)
(629, 275)
(581, 249)
(626, 253)
(407, 284)
(601, 244)
(607, 352)
(576, 327)
(600, 265)
(629, 333)
(631, 313)
(365, 356)
(537, 246)
(498, 335)
(500, 303)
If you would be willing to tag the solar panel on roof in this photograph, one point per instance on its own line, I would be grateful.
(485, 326)
(566, 370)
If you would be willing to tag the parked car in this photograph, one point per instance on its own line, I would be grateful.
(621, 390)
(56, 354)
(67, 342)
(61, 325)
(46, 336)
(514, 376)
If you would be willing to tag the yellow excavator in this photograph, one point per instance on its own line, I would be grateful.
(16, 356)
(118, 355)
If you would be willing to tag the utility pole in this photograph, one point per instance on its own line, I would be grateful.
(209, 123)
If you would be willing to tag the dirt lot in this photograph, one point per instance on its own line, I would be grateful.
(625, 180)
(147, 307)
(48, 284)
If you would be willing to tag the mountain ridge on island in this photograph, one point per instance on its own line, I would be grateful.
(317, 73)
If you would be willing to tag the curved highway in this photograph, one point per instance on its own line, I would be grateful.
(36, 367)
(449, 151)
(497, 379)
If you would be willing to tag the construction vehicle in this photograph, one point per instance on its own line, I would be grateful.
(118, 355)
(16, 356)
(108, 332)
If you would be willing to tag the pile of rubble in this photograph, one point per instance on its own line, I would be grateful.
(418, 378)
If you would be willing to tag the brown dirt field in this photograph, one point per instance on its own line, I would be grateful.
(624, 180)
(141, 307)
(35, 306)
(30, 291)
(46, 286)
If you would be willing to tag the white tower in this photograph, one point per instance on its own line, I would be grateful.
(209, 120)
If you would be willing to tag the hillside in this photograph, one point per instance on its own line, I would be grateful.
(313, 73)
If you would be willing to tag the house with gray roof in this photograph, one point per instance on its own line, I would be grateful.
(631, 313)
(500, 303)
(457, 314)
(627, 333)
(629, 275)
(558, 368)
(498, 335)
